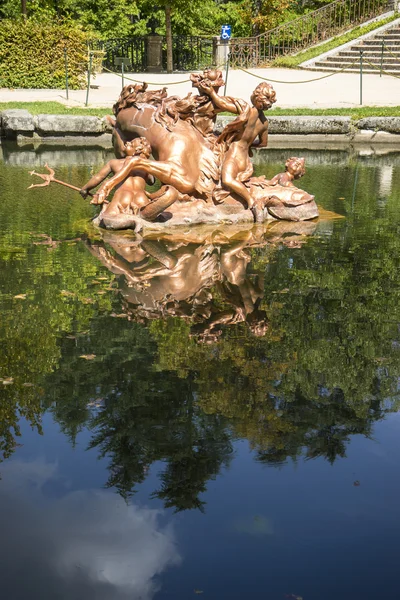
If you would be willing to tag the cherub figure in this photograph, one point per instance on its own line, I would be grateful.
(238, 138)
(294, 169)
(130, 196)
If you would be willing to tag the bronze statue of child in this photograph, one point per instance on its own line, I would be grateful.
(294, 169)
(130, 195)
(239, 137)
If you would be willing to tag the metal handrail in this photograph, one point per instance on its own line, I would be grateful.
(317, 11)
(305, 31)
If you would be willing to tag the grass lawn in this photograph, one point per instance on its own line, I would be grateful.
(55, 108)
(354, 113)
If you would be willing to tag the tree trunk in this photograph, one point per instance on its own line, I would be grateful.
(23, 8)
(168, 28)
(256, 9)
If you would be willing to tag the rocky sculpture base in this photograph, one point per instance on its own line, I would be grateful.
(199, 213)
(231, 212)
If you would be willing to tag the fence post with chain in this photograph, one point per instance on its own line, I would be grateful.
(66, 71)
(88, 82)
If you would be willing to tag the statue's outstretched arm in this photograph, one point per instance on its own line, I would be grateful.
(220, 103)
(96, 179)
(224, 104)
(110, 184)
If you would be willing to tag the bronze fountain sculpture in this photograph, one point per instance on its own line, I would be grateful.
(205, 178)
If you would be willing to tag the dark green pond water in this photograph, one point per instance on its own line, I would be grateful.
(169, 433)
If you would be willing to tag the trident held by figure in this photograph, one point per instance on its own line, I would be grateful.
(48, 178)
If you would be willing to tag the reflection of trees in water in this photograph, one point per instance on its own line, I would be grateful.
(140, 415)
(321, 372)
(323, 369)
(46, 291)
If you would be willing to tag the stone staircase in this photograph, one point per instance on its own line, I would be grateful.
(372, 53)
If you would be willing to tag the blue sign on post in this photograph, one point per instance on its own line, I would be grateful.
(226, 32)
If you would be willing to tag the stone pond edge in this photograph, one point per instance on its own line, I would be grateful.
(21, 125)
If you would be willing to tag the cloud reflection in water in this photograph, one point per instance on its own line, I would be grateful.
(76, 544)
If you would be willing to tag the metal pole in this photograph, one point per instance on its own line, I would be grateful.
(226, 67)
(122, 72)
(382, 50)
(88, 79)
(361, 74)
(66, 71)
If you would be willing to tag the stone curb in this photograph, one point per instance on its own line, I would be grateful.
(339, 127)
(17, 122)
(20, 124)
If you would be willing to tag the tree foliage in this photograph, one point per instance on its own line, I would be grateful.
(32, 54)
(130, 17)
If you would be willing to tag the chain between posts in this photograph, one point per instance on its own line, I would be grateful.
(155, 82)
(124, 77)
(304, 81)
(383, 71)
(381, 67)
(226, 65)
(149, 83)
(390, 52)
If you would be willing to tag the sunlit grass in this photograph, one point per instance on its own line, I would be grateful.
(55, 108)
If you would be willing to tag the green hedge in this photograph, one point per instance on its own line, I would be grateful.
(32, 54)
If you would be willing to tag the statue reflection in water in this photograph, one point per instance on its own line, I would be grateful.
(205, 279)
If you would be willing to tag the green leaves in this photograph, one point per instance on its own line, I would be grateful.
(32, 54)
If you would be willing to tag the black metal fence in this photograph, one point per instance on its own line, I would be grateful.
(134, 48)
(189, 52)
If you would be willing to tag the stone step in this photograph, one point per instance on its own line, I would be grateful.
(394, 28)
(386, 41)
(366, 71)
(337, 66)
(356, 69)
(378, 44)
(349, 59)
(368, 53)
(372, 59)
(387, 36)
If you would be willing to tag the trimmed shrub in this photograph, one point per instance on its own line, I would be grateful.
(32, 54)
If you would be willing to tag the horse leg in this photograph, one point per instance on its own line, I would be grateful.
(167, 173)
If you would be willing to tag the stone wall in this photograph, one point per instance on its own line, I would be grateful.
(18, 124)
